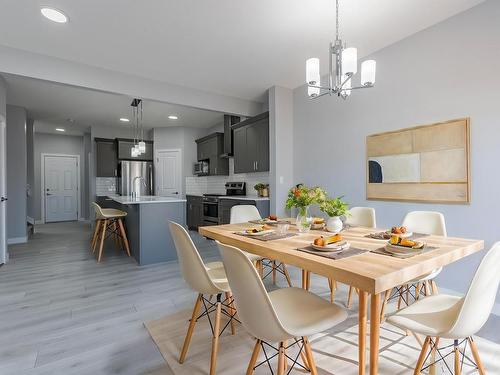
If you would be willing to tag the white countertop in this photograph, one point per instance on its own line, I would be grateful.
(146, 199)
(245, 197)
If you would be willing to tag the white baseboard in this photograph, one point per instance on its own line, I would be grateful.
(39, 222)
(30, 220)
(16, 240)
(494, 311)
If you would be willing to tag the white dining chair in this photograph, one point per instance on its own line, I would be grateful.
(281, 316)
(207, 280)
(244, 213)
(423, 222)
(451, 317)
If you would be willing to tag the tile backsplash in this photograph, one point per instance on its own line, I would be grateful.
(105, 185)
(215, 184)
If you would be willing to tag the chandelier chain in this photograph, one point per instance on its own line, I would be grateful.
(337, 20)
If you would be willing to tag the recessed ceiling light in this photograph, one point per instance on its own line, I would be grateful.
(60, 129)
(173, 117)
(123, 119)
(54, 15)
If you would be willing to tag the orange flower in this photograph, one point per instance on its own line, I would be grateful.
(296, 193)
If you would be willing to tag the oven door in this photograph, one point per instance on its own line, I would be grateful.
(211, 213)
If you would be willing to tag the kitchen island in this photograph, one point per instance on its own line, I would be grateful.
(147, 225)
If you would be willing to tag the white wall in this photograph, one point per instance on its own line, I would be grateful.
(448, 71)
(30, 149)
(16, 174)
(57, 144)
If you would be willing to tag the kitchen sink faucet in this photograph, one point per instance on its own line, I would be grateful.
(136, 190)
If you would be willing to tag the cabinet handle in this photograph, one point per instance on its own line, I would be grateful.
(215, 170)
(257, 165)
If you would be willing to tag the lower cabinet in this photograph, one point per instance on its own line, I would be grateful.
(225, 206)
(194, 211)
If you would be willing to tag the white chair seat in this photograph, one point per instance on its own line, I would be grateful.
(218, 277)
(427, 277)
(432, 316)
(304, 314)
(253, 257)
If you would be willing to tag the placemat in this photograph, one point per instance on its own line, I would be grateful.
(268, 237)
(379, 236)
(281, 221)
(383, 251)
(333, 255)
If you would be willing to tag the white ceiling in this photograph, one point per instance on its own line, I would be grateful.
(54, 104)
(237, 48)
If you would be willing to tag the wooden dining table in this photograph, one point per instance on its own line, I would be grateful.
(371, 273)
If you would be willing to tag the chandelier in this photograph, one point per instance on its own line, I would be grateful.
(138, 129)
(343, 65)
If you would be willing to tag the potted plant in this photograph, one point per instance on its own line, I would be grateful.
(301, 197)
(334, 208)
(262, 189)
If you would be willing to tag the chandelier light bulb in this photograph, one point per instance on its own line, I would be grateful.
(368, 70)
(350, 61)
(312, 71)
(142, 147)
(133, 152)
(346, 89)
(312, 91)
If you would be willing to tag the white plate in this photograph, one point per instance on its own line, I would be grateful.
(338, 246)
(261, 233)
(397, 249)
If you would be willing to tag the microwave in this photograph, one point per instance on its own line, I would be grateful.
(200, 168)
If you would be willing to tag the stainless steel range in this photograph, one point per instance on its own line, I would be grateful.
(211, 201)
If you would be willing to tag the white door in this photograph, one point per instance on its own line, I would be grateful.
(61, 190)
(168, 173)
(3, 192)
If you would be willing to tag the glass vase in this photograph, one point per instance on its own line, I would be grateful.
(304, 220)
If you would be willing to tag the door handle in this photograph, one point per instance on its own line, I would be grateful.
(3, 199)
(176, 192)
(48, 194)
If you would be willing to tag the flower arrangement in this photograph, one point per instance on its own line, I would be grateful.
(334, 207)
(301, 196)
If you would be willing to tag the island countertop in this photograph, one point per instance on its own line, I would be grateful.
(145, 199)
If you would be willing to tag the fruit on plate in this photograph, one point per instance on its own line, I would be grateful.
(325, 241)
(256, 230)
(398, 230)
(273, 217)
(318, 220)
(396, 240)
(267, 227)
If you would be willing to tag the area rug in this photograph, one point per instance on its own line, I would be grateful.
(335, 351)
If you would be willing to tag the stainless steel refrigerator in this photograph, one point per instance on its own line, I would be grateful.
(135, 175)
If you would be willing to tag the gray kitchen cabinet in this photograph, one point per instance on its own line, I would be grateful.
(124, 147)
(251, 144)
(107, 162)
(225, 206)
(194, 211)
(211, 148)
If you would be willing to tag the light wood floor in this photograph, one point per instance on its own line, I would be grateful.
(62, 313)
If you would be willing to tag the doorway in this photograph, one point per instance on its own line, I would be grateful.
(169, 173)
(3, 190)
(60, 183)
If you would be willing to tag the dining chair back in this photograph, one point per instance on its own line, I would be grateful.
(255, 309)
(480, 298)
(193, 269)
(428, 222)
(243, 213)
(98, 211)
(362, 216)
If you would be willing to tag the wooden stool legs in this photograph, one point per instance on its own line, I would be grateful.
(109, 227)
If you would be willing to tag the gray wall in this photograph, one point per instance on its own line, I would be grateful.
(3, 97)
(447, 71)
(57, 144)
(16, 173)
(30, 149)
(281, 146)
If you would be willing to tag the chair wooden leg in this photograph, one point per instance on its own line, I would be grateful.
(418, 288)
(331, 284)
(400, 298)
(384, 304)
(432, 357)
(124, 236)
(457, 359)
(192, 323)
(97, 226)
(421, 358)
(434, 286)
(232, 311)
(349, 297)
(304, 357)
(309, 356)
(281, 360)
(103, 236)
(477, 358)
(427, 289)
(274, 272)
(260, 268)
(253, 359)
(287, 275)
(215, 338)
(306, 278)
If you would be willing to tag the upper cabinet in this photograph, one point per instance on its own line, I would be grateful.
(107, 162)
(251, 144)
(211, 148)
(124, 147)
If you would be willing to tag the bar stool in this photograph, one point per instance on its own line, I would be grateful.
(109, 222)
